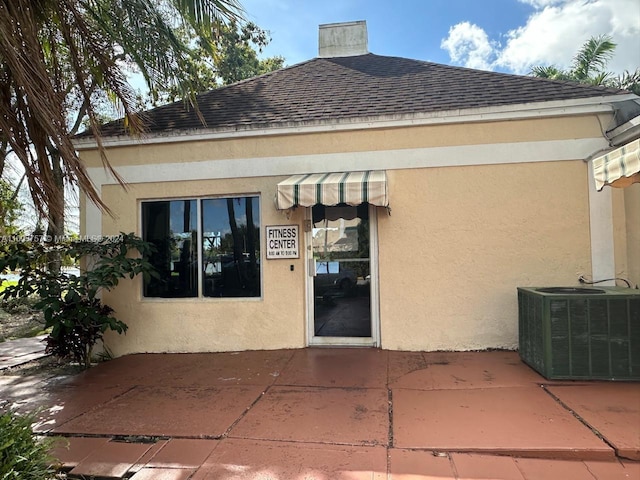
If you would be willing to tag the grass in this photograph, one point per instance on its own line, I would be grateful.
(7, 283)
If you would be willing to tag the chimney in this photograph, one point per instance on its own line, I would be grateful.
(343, 39)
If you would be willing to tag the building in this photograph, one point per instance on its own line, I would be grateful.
(357, 199)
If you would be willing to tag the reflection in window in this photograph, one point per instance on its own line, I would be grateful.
(172, 228)
(231, 247)
(230, 240)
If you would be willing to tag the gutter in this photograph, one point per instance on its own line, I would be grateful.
(625, 133)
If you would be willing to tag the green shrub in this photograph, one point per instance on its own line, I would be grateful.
(22, 455)
(71, 304)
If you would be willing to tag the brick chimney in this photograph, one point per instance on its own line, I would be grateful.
(343, 39)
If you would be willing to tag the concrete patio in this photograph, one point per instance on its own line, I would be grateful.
(327, 414)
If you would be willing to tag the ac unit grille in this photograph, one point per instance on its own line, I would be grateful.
(595, 336)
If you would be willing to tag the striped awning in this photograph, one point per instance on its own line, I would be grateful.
(352, 188)
(618, 168)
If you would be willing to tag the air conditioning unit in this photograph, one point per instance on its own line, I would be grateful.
(580, 333)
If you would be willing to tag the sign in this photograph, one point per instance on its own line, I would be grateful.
(283, 241)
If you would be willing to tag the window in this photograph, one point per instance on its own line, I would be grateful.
(224, 232)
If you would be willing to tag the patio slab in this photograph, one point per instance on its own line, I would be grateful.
(238, 459)
(522, 421)
(21, 350)
(609, 408)
(618, 470)
(148, 455)
(167, 411)
(228, 368)
(190, 369)
(465, 370)
(537, 469)
(325, 413)
(336, 367)
(112, 460)
(163, 474)
(183, 453)
(320, 415)
(473, 466)
(419, 465)
(72, 450)
(58, 405)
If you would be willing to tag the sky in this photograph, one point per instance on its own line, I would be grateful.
(501, 35)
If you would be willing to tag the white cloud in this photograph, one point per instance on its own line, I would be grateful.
(469, 45)
(552, 35)
(540, 3)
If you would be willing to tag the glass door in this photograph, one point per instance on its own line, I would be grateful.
(341, 276)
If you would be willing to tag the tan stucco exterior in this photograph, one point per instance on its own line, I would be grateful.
(375, 139)
(460, 238)
(480, 232)
(632, 223)
(207, 324)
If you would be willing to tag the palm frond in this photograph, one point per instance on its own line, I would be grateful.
(205, 13)
(593, 57)
(57, 53)
(552, 72)
(628, 81)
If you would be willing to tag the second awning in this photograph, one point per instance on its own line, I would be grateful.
(618, 168)
(351, 188)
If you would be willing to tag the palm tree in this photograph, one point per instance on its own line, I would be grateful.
(58, 56)
(589, 66)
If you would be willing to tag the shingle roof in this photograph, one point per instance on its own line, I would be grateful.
(358, 87)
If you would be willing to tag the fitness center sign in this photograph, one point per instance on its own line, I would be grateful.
(283, 241)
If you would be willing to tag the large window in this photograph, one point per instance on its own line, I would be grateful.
(208, 247)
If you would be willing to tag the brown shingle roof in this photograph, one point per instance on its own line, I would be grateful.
(358, 87)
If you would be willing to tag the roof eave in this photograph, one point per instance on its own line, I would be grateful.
(582, 106)
(625, 133)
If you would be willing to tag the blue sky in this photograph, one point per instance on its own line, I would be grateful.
(501, 35)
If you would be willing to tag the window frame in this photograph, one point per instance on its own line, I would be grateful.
(200, 290)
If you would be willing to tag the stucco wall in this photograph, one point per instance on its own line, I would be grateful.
(626, 232)
(207, 324)
(379, 139)
(460, 240)
(632, 217)
(620, 234)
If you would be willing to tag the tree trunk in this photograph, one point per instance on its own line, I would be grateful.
(55, 227)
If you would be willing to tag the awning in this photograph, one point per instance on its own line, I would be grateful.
(618, 168)
(352, 188)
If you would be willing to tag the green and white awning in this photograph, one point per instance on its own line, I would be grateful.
(352, 188)
(618, 168)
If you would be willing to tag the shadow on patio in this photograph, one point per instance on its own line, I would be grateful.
(334, 414)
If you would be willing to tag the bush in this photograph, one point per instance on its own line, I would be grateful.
(22, 455)
(71, 304)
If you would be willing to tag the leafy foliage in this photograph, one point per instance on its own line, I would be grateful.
(10, 209)
(70, 303)
(22, 455)
(57, 53)
(589, 66)
(230, 57)
(236, 53)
